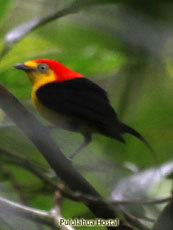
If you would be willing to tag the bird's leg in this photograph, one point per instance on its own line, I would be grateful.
(87, 140)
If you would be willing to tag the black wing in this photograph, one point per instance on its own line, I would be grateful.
(80, 98)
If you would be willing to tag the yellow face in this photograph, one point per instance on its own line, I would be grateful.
(39, 73)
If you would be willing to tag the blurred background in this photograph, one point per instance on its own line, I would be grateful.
(126, 48)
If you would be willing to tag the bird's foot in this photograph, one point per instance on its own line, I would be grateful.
(87, 140)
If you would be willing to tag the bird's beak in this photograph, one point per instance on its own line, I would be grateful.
(23, 67)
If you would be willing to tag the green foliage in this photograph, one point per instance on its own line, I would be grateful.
(4, 8)
(110, 48)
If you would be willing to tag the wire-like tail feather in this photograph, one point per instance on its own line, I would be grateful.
(128, 129)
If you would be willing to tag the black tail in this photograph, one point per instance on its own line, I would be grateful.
(128, 129)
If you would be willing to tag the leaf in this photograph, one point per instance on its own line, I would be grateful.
(137, 186)
(4, 6)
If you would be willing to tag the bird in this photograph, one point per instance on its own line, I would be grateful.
(72, 102)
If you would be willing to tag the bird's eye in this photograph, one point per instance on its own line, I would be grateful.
(42, 68)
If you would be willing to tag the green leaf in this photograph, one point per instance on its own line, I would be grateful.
(22, 30)
(4, 6)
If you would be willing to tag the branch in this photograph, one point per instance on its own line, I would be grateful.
(165, 220)
(30, 166)
(134, 221)
(16, 186)
(143, 202)
(37, 170)
(51, 218)
(63, 167)
(16, 34)
(81, 197)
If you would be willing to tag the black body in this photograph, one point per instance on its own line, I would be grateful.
(83, 100)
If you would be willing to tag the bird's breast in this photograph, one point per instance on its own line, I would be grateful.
(60, 120)
(53, 117)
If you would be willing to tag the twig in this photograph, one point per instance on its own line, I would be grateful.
(21, 159)
(22, 30)
(37, 171)
(63, 167)
(144, 202)
(47, 218)
(32, 167)
(9, 176)
(76, 196)
(82, 197)
(134, 221)
(165, 220)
